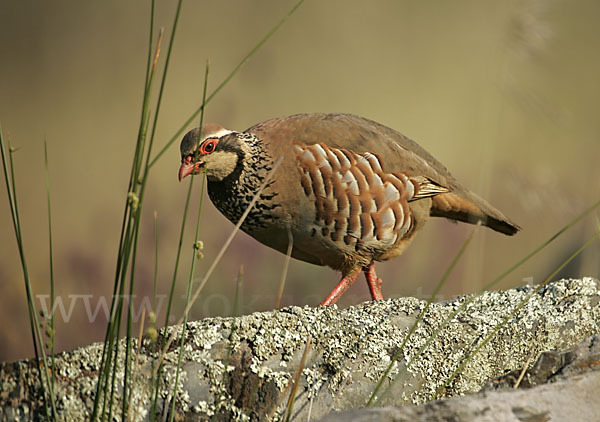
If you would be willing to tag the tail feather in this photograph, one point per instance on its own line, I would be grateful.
(469, 208)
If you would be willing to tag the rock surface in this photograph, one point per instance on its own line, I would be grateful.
(558, 387)
(242, 368)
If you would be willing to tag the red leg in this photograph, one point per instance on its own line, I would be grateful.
(373, 281)
(339, 290)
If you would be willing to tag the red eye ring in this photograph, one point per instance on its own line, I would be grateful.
(208, 146)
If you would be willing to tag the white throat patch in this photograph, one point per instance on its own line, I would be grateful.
(220, 164)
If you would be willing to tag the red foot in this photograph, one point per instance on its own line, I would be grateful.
(373, 281)
(339, 290)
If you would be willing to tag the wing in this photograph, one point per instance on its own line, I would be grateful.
(397, 154)
(358, 204)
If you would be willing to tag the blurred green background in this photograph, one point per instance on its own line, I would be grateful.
(505, 93)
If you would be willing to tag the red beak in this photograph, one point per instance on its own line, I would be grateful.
(186, 168)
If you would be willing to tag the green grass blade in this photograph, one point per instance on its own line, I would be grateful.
(158, 365)
(127, 382)
(36, 336)
(235, 313)
(150, 41)
(292, 397)
(238, 290)
(196, 256)
(178, 256)
(51, 259)
(185, 211)
(180, 243)
(187, 301)
(155, 280)
(128, 233)
(257, 47)
(220, 255)
(162, 85)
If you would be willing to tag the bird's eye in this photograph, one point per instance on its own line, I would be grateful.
(208, 146)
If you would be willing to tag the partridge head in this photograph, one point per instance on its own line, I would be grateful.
(349, 191)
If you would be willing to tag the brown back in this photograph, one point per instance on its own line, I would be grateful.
(399, 154)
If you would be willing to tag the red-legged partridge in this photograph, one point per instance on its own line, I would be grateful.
(349, 190)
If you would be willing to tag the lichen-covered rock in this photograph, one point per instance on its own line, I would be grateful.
(242, 368)
(559, 386)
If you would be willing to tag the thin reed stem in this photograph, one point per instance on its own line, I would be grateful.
(51, 326)
(296, 382)
(36, 336)
(196, 255)
(284, 272)
(225, 81)
(129, 231)
(219, 256)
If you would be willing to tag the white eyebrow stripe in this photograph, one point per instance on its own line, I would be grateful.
(220, 133)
